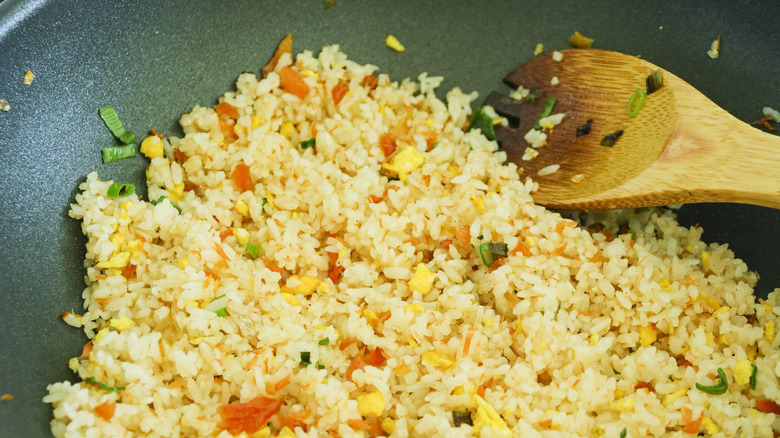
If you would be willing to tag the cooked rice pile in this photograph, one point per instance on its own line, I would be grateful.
(371, 311)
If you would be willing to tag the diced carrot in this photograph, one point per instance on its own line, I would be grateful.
(271, 265)
(251, 362)
(445, 244)
(226, 125)
(370, 82)
(226, 109)
(497, 263)
(375, 199)
(333, 434)
(248, 417)
(402, 127)
(291, 422)
(129, 271)
(314, 129)
(190, 187)
(86, 349)
(359, 424)
(387, 143)
(644, 385)
(590, 313)
(559, 250)
(595, 257)
(427, 180)
(221, 252)
(346, 343)
(225, 234)
(180, 156)
(279, 223)
(213, 275)
(691, 425)
(339, 91)
(292, 82)
(430, 139)
(241, 178)
(562, 225)
(285, 46)
(464, 235)
(481, 391)
(390, 187)
(768, 406)
(546, 423)
(282, 383)
(106, 410)
(376, 358)
(155, 133)
(335, 273)
(467, 343)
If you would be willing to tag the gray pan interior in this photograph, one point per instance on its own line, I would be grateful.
(154, 60)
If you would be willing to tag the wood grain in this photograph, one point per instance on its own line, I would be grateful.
(681, 148)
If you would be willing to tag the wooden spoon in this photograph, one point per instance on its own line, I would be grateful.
(680, 148)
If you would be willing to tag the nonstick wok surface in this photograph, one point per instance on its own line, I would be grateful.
(155, 60)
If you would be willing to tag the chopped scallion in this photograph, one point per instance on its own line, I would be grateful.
(103, 386)
(487, 256)
(117, 190)
(461, 417)
(611, 138)
(114, 153)
(717, 389)
(654, 82)
(320, 366)
(111, 118)
(635, 106)
(482, 121)
(254, 251)
(218, 305)
(585, 129)
(308, 143)
(499, 248)
(324, 341)
(753, 376)
(549, 104)
(623, 433)
(163, 197)
(222, 312)
(305, 358)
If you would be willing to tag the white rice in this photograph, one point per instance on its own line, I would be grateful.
(560, 338)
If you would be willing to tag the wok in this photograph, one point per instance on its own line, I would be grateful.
(155, 60)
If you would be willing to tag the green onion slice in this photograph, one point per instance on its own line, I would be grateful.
(549, 104)
(218, 305)
(103, 386)
(487, 255)
(611, 138)
(117, 190)
(654, 81)
(499, 248)
(114, 153)
(753, 376)
(717, 389)
(324, 341)
(635, 106)
(623, 433)
(111, 118)
(320, 366)
(162, 198)
(254, 251)
(480, 120)
(305, 358)
(306, 144)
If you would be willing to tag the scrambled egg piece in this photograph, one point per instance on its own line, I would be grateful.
(623, 405)
(100, 335)
(242, 208)
(177, 194)
(487, 416)
(370, 315)
(287, 129)
(437, 360)
(28, 77)
(121, 324)
(394, 44)
(307, 285)
(242, 236)
(290, 298)
(672, 397)
(708, 424)
(152, 147)
(769, 331)
(404, 161)
(286, 432)
(422, 281)
(118, 260)
(372, 404)
(742, 372)
(414, 308)
(647, 335)
(388, 425)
